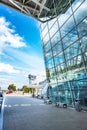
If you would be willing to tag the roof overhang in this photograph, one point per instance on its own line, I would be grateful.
(35, 86)
(39, 9)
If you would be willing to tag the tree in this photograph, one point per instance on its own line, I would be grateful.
(25, 89)
(12, 87)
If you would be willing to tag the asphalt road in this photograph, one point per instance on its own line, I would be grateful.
(26, 113)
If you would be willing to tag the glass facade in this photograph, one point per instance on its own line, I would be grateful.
(64, 41)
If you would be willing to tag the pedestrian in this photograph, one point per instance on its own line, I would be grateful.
(77, 105)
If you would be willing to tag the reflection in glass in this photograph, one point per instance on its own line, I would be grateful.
(76, 4)
(44, 32)
(67, 27)
(82, 28)
(57, 48)
(63, 17)
(54, 29)
(48, 56)
(65, 52)
(46, 38)
(70, 38)
(47, 46)
(81, 12)
(55, 38)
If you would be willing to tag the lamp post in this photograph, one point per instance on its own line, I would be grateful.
(31, 78)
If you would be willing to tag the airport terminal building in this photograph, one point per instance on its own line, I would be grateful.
(64, 41)
(63, 27)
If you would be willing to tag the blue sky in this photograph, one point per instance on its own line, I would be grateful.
(20, 48)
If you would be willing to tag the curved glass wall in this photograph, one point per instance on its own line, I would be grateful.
(65, 53)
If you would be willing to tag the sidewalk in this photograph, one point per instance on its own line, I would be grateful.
(25, 113)
(1, 115)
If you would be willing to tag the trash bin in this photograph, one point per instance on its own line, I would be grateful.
(77, 105)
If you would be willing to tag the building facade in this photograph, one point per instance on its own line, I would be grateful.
(64, 41)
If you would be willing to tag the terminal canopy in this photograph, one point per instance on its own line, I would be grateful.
(39, 9)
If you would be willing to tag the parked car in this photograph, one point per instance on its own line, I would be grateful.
(39, 96)
(47, 101)
(60, 104)
(9, 92)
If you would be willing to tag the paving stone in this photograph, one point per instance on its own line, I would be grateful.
(26, 113)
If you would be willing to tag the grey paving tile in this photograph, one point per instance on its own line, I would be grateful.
(27, 113)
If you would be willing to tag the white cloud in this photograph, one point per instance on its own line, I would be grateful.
(31, 62)
(8, 36)
(1, 48)
(7, 68)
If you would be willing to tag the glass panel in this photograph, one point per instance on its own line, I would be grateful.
(62, 68)
(68, 26)
(83, 43)
(51, 22)
(43, 26)
(54, 29)
(55, 92)
(81, 12)
(52, 75)
(83, 47)
(50, 63)
(72, 51)
(85, 58)
(47, 47)
(58, 68)
(55, 38)
(57, 48)
(61, 73)
(62, 19)
(48, 55)
(76, 4)
(82, 28)
(69, 77)
(70, 38)
(46, 38)
(44, 32)
(59, 58)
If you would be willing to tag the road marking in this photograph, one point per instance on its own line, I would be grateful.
(16, 105)
(41, 104)
(25, 104)
(9, 105)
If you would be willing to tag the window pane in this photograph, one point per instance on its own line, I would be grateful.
(55, 38)
(68, 26)
(54, 29)
(47, 46)
(70, 38)
(82, 28)
(46, 38)
(57, 48)
(81, 12)
(44, 32)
